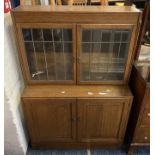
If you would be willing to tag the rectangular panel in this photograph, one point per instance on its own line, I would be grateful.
(103, 53)
(50, 120)
(100, 120)
(49, 53)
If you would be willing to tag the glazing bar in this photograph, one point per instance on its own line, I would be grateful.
(63, 54)
(54, 55)
(36, 62)
(46, 66)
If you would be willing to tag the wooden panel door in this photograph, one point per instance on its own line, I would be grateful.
(47, 52)
(105, 53)
(102, 120)
(50, 120)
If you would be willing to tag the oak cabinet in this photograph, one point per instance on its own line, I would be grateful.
(76, 119)
(73, 58)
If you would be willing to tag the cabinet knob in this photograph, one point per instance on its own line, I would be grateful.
(148, 114)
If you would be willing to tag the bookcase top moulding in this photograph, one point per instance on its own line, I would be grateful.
(77, 14)
(84, 9)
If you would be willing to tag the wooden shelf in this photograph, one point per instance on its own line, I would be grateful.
(76, 91)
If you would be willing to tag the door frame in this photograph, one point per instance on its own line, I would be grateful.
(23, 57)
(130, 50)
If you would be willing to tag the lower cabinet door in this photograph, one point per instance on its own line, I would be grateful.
(50, 120)
(102, 120)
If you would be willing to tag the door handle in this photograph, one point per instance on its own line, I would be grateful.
(37, 73)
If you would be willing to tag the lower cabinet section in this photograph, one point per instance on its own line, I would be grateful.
(76, 122)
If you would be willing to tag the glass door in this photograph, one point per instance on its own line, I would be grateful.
(102, 53)
(49, 51)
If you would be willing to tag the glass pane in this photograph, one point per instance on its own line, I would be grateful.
(37, 35)
(96, 48)
(106, 35)
(125, 36)
(60, 66)
(104, 56)
(85, 74)
(57, 34)
(123, 50)
(86, 48)
(97, 35)
(67, 47)
(105, 48)
(68, 66)
(58, 47)
(117, 36)
(48, 47)
(41, 61)
(31, 58)
(86, 36)
(27, 34)
(47, 34)
(69, 72)
(38, 47)
(50, 58)
(115, 76)
(67, 34)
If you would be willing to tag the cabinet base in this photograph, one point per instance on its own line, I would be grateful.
(49, 145)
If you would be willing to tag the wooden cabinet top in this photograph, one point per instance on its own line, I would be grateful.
(76, 14)
(86, 91)
(81, 9)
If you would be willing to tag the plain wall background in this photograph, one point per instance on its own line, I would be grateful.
(15, 134)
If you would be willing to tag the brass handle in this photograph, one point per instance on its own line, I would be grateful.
(148, 114)
(37, 73)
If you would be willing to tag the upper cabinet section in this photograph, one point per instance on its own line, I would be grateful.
(76, 44)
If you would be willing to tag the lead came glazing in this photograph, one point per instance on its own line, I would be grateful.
(49, 53)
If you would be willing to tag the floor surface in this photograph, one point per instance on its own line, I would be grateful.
(140, 151)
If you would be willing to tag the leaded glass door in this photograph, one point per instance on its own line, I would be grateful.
(49, 50)
(103, 53)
